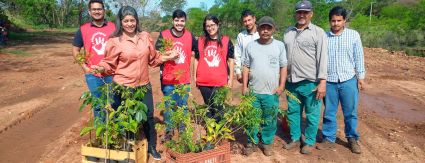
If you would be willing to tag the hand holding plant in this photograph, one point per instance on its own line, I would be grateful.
(167, 45)
(81, 58)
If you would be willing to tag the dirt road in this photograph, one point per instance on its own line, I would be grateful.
(40, 122)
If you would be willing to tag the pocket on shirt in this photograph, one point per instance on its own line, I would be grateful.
(273, 61)
(309, 45)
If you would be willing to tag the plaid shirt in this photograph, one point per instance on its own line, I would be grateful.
(345, 56)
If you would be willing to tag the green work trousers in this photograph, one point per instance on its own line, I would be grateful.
(269, 105)
(303, 90)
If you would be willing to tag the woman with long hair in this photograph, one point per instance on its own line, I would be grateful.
(129, 52)
(214, 64)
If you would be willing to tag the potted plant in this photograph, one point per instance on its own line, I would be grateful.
(117, 135)
(205, 139)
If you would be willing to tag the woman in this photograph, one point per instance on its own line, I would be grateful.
(213, 64)
(129, 51)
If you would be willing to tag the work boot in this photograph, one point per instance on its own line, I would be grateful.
(307, 149)
(250, 148)
(354, 145)
(154, 154)
(268, 149)
(292, 144)
(326, 145)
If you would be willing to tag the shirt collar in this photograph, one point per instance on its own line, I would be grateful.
(310, 26)
(126, 38)
(172, 33)
(105, 23)
(333, 34)
(253, 33)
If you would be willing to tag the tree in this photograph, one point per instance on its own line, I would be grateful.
(168, 6)
(195, 18)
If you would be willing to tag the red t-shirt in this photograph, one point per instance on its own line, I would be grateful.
(178, 71)
(95, 40)
(212, 63)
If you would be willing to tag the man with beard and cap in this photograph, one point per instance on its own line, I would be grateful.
(306, 45)
(93, 36)
(346, 73)
(176, 72)
(264, 74)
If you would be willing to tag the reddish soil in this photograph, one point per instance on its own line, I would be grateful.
(40, 121)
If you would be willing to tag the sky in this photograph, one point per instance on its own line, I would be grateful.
(197, 3)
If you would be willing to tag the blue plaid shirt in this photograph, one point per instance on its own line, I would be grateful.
(345, 56)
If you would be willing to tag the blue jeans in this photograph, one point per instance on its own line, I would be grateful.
(167, 90)
(347, 93)
(93, 82)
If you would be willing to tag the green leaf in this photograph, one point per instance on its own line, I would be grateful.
(112, 115)
(86, 130)
(99, 130)
(228, 136)
(139, 116)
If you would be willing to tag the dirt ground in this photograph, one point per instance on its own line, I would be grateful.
(40, 121)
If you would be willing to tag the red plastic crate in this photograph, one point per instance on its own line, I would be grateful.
(221, 154)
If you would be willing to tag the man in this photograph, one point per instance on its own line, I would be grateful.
(264, 62)
(249, 34)
(346, 73)
(93, 37)
(306, 45)
(176, 72)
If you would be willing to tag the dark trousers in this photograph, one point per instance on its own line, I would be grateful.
(149, 126)
(208, 93)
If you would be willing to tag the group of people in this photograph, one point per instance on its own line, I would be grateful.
(311, 64)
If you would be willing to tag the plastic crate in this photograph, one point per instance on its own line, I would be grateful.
(220, 154)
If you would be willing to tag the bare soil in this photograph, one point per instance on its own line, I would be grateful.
(40, 121)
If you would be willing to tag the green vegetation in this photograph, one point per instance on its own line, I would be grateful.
(15, 52)
(390, 24)
(200, 132)
(119, 124)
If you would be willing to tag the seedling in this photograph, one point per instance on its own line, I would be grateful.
(167, 45)
(81, 58)
(117, 126)
(201, 132)
(292, 96)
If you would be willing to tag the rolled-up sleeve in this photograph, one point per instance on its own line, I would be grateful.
(110, 62)
(322, 55)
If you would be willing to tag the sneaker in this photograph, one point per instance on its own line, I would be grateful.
(154, 154)
(354, 145)
(250, 148)
(307, 149)
(268, 149)
(292, 144)
(326, 145)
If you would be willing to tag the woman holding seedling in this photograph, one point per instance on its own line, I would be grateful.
(129, 52)
(213, 64)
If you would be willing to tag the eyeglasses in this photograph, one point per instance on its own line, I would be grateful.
(96, 9)
(210, 26)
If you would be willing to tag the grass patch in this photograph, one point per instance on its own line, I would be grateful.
(22, 36)
(15, 52)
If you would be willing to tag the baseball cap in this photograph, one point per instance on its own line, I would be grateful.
(266, 20)
(303, 6)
